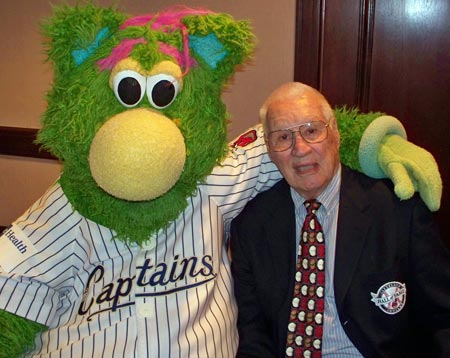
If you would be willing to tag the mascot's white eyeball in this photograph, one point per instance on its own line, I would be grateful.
(162, 89)
(129, 87)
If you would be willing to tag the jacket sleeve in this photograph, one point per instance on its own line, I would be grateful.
(430, 277)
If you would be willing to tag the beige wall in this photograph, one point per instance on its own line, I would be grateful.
(25, 78)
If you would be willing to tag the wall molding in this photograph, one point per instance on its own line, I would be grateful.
(19, 141)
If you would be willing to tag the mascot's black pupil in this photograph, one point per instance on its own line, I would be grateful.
(129, 90)
(163, 93)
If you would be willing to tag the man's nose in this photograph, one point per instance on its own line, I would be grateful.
(300, 146)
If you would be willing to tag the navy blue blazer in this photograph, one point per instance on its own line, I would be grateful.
(382, 244)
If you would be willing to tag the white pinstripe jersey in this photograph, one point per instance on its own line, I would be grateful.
(103, 298)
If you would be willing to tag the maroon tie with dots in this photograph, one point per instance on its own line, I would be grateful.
(304, 338)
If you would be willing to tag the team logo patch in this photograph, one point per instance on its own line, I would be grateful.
(245, 139)
(390, 297)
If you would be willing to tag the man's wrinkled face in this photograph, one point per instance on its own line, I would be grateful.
(307, 167)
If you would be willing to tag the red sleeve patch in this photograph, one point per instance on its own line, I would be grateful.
(245, 139)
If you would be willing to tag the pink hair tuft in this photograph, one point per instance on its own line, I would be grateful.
(120, 52)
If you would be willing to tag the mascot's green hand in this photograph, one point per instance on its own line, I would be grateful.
(411, 168)
(17, 335)
(385, 152)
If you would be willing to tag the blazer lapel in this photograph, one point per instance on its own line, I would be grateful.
(281, 244)
(281, 232)
(353, 225)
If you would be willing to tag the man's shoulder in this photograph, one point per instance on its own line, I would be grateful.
(267, 202)
(376, 191)
(278, 192)
(352, 177)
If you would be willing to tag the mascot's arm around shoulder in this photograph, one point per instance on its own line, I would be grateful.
(376, 144)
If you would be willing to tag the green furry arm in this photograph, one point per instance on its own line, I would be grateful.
(17, 335)
(352, 125)
(377, 145)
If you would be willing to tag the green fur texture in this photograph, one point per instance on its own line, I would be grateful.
(17, 335)
(81, 100)
(352, 124)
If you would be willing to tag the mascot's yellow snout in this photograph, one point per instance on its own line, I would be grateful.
(137, 155)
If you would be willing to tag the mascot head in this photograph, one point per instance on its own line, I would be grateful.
(135, 112)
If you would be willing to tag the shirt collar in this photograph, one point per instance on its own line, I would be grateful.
(329, 198)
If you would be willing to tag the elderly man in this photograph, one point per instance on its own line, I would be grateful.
(330, 262)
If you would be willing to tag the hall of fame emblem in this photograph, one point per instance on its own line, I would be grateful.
(390, 297)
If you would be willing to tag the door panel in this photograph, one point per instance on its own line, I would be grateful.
(390, 56)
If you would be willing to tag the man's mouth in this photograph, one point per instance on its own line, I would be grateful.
(305, 169)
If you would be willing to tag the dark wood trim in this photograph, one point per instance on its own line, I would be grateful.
(20, 142)
(308, 42)
(364, 57)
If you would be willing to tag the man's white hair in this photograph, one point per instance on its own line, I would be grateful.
(294, 90)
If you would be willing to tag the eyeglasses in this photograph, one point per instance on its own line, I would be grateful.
(311, 132)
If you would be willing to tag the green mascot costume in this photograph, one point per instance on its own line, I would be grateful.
(125, 255)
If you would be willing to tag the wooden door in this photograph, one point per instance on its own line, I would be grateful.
(389, 56)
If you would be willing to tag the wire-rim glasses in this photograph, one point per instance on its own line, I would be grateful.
(311, 132)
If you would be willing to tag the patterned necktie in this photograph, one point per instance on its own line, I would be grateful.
(304, 338)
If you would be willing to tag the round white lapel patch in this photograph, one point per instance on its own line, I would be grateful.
(390, 297)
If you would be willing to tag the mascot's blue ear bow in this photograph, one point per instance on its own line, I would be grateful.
(208, 47)
(83, 54)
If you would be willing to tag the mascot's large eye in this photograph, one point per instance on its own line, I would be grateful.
(162, 89)
(129, 87)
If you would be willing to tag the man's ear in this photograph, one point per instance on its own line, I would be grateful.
(335, 129)
(219, 42)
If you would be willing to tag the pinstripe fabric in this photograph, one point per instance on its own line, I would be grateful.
(335, 343)
(103, 298)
